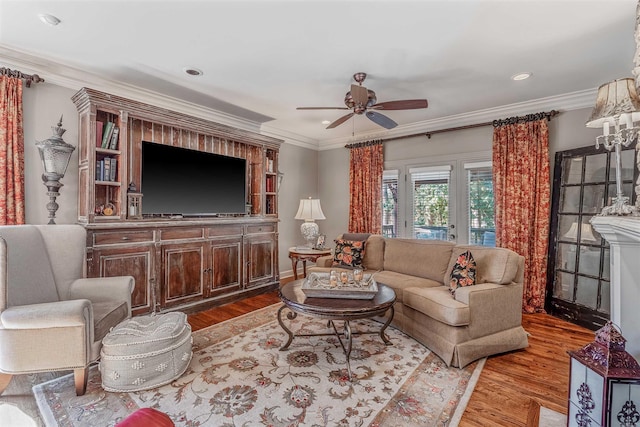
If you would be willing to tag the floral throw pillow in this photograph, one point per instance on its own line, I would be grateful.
(348, 253)
(463, 273)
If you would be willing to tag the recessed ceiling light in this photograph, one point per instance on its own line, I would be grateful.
(193, 71)
(326, 122)
(49, 19)
(521, 76)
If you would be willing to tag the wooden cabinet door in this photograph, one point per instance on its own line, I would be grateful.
(183, 270)
(260, 253)
(133, 261)
(225, 260)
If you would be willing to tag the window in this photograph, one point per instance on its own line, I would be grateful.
(390, 203)
(444, 198)
(430, 187)
(481, 213)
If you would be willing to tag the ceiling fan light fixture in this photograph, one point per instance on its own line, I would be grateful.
(193, 71)
(326, 122)
(49, 19)
(521, 76)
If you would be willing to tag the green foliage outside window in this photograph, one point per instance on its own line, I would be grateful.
(431, 204)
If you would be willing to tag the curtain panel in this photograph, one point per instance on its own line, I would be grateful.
(522, 201)
(11, 152)
(365, 187)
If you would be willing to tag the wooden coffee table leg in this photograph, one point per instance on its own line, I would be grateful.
(384, 327)
(291, 315)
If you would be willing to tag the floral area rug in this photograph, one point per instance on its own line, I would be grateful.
(239, 377)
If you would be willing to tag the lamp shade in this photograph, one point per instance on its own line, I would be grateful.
(614, 99)
(586, 234)
(309, 210)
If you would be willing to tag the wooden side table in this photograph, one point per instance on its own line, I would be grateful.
(304, 254)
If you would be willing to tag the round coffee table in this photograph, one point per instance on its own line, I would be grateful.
(336, 309)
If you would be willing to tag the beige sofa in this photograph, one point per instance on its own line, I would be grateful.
(481, 320)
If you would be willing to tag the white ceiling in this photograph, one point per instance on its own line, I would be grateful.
(263, 58)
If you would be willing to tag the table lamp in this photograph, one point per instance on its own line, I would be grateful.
(309, 211)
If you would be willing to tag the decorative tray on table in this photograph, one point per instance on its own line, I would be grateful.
(319, 285)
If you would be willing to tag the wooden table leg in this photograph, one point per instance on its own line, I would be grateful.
(294, 265)
(304, 268)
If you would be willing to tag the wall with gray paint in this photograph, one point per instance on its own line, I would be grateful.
(300, 168)
(43, 104)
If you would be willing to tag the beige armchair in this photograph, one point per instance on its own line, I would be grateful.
(51, 318)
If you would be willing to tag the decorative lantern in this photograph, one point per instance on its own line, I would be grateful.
(604, 384)
(55, 155)
(134, 202)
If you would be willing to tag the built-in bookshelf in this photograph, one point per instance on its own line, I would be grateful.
(106, 185)
(271, 182)
(111, 133)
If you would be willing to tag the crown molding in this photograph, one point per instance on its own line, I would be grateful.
(564, 102)
(290, 137)
(75, 79)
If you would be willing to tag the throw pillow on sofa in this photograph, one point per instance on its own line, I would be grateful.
(348, 253)
(463, 273)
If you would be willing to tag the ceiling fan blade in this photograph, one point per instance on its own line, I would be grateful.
(407, 104)
(322, 108)
(359, 94)
(381, 119)
(340, 121)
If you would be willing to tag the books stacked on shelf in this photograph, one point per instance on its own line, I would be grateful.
(271, 187)
(109, 135)
(106, 169)
(99, 129)
(270, 165)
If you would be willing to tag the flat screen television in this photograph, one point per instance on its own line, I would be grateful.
(179, 181)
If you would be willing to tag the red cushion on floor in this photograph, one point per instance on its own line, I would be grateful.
(146, 417)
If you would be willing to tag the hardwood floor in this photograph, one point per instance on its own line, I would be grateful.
(511, 386)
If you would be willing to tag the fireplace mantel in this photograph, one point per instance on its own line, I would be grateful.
(623, 235)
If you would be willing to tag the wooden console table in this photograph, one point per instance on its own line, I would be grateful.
(304, 254)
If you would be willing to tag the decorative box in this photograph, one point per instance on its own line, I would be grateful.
(318, 285)
(145, 352)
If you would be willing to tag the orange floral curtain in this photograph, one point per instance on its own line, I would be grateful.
(11, 152)
(365, 184)
(522, 198)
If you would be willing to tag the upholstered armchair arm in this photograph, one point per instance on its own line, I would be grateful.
(324, 261)
(58, 314)
(103, 289)
(47, 336)
(492, 307)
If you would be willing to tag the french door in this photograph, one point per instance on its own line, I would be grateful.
(578, 281)
(445, 200)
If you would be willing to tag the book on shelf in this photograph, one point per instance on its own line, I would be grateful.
(106, 134)
(113, 144)
(99, 127)
(107, 169)
(114, 163)
(99, 171)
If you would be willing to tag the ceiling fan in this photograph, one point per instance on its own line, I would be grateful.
(363, 101)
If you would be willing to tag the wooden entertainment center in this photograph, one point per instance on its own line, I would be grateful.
(178, 263)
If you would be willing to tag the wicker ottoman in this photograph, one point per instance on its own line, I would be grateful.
(145, 352)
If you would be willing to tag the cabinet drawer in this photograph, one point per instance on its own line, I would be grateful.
(265, 228)
(115, 237)
(181, 233)
(225, 230)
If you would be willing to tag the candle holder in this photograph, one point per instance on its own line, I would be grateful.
(617, 104)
